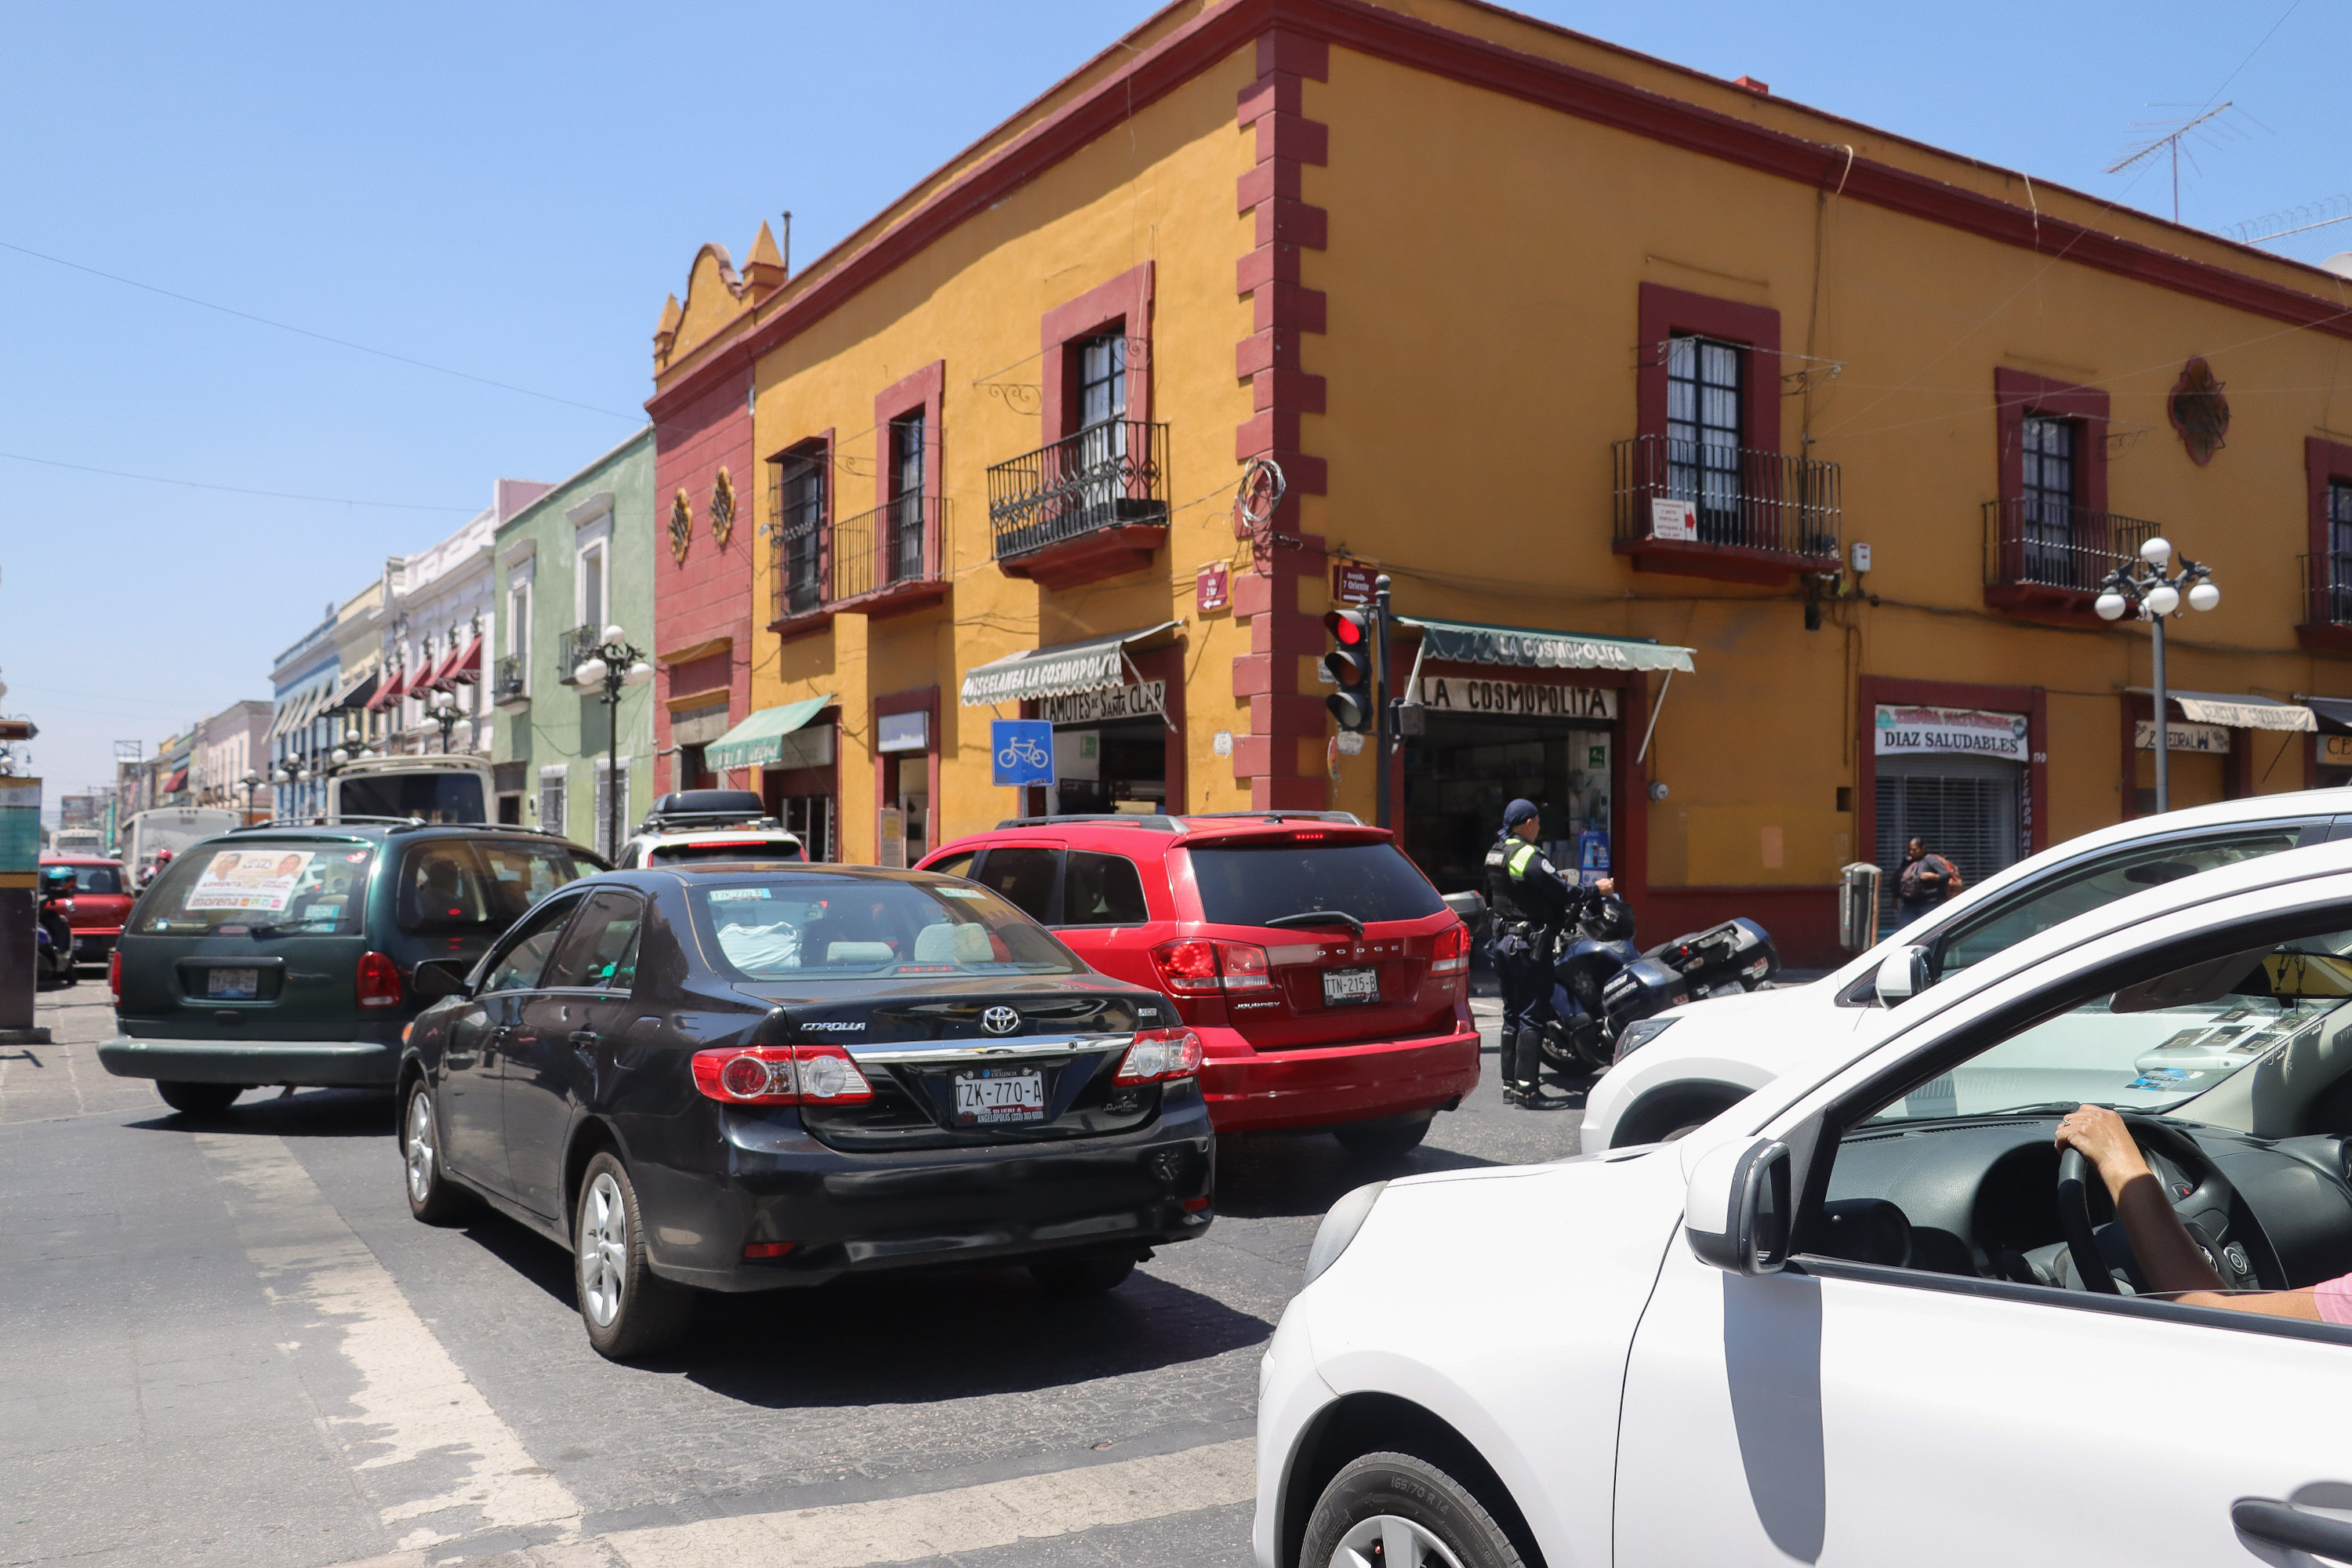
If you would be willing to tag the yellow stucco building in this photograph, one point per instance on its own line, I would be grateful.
(1743, 476)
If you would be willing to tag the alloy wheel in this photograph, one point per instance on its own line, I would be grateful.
(1391, 1541)
(420, 1146)
(604, 1249)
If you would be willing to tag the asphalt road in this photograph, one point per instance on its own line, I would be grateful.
(230, 1345)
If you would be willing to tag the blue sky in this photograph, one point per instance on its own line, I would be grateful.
(510, 190)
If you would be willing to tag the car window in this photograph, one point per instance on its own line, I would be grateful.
(1102, 890)
(1024, 876)
(522, 960)
(520, 873)
(791, 925)
(433, 797)
(957, 865)
(276, 887)
(726, 849)
(600, 946)
(441, 889)
(98, 880)
(1248, 885)
(2064, 894)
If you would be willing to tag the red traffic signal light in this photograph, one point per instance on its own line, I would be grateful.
(1350, 665)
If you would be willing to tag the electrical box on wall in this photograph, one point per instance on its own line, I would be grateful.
(1860, 557)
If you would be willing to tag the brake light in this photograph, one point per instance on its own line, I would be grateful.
(1450, 953)
(379, 980)
(114, 974)
(780, 1075)
(1198, 966)
(1160, 1054)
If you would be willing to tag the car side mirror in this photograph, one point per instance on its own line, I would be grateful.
(1902, 976)
(1736, 1214)
(437, 977)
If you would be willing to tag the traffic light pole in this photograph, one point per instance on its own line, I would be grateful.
(1385, 722)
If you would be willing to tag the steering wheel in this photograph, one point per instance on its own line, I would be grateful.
(2075, 1219)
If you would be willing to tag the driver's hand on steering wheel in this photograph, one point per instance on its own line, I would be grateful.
(2106, 1144)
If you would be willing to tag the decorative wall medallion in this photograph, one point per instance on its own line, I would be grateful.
(2199, 411)
(723, 509)
(681, 526)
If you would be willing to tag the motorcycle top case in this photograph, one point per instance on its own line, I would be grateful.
(1738, 951)
(1641, 988)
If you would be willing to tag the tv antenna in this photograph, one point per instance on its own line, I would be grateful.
(2208, 127)
(2293, 220)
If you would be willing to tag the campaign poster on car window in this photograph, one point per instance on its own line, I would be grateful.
(262, 880)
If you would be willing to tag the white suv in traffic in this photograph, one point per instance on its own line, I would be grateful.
(1681, 1067)
(708, 825)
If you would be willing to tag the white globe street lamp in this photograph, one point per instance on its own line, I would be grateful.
(2144, 585)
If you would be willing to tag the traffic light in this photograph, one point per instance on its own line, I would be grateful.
(1349, 663)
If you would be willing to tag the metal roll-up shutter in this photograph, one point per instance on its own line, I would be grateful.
(1963, 809)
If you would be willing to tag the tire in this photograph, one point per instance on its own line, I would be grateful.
(198, 1098)
(1390, 1141)
(432, 1196)
(627, 1308)
(1414, 1513)
(1087, 1276)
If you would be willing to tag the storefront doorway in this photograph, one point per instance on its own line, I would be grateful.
(1481, 748)
(1955, 779)
(1111, 767)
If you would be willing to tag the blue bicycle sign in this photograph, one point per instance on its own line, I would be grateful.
(1024, 751)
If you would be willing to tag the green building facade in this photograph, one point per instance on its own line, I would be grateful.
(575, 561)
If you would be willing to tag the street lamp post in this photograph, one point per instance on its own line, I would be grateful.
(251, 781)
(2142, 585)
(611, 666)
(445, 713)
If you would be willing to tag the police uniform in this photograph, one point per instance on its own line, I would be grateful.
(1531, 902)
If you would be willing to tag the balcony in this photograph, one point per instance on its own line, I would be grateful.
(1091, 506)
(886, 561)
(507, 680)
(574, 645)
(804, 591)
(2049, 559)
(1724, 513)
(2327, 625)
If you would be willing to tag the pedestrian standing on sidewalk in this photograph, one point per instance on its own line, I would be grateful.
(1928, 880)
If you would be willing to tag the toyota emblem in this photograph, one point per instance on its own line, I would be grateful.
(1000, 1020)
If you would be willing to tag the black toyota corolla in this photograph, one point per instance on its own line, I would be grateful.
(746, 1077)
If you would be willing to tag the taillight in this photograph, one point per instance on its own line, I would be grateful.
(1198, 966)
(379, 980)
(114, 974)
(1159, 1055)
(780, 1075)
(1450, 953)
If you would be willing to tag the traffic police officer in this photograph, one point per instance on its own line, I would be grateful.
(1532, 903)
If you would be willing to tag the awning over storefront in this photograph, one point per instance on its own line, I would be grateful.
(759, 738)
(1531, 648)
(176, 783)
(353, 694)
(465, 664)
(1062, 670)
(395, 685)
(2247, 713)
(301, 706)
(2334, 713)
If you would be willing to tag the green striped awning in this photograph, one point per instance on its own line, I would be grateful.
(760, 739)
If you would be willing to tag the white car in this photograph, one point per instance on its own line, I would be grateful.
(708, 825)
(1634, 1357)
(1680, 1067)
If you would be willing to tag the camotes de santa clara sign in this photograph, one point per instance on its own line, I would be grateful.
(1973, 731)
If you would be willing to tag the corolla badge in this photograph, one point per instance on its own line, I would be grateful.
(1000, 1020)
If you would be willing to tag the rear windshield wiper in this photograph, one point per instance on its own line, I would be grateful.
(1319, 918)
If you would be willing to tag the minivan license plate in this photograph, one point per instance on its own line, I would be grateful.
(1346, 987)
(233, 985)
(1000, 1097)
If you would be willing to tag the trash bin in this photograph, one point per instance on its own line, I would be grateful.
(1858, 906)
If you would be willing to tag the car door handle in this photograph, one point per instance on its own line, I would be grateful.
(2276, 1523)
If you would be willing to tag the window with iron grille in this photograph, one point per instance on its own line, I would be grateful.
(1102, 379)
(2338, 565)
(906, 496)
(552, 782)
(800, 494)
(1703, 432)
(2047, 492)
(1102, 423)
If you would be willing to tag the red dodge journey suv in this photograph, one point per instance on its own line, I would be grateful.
(1326, 978)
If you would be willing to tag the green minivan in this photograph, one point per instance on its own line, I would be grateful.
(285, 955)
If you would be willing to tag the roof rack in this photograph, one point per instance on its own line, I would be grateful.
(1349, 817)
(1156, 822)
(345, 820)
(707, 819)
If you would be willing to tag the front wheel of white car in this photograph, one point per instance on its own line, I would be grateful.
(1393, 1511)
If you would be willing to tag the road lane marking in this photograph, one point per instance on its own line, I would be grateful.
(968, 1518)
(413, 1403)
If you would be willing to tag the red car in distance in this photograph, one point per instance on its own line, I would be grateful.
(1328, 981)
(102, 897)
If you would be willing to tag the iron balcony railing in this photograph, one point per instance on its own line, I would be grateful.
(1752, 501)
(2330, 578)
(507, 678)
(576, 645)
(802, 566)
(1106, 475)
(896, 543)
(2036, 544)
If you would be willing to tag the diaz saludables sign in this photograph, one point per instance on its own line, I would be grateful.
(1969, 731)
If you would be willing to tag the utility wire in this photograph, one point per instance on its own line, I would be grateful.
(320, 337)
(230, 489)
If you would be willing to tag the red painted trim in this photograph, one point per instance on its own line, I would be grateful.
(2019, 393)
(2323, 462)
(1870, 690)
(1124, 302)
(1666, 311)
(925, 390)
(922, 699)
(819, 449)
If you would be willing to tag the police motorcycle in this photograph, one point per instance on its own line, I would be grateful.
(53, 949)
(1602, 983)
